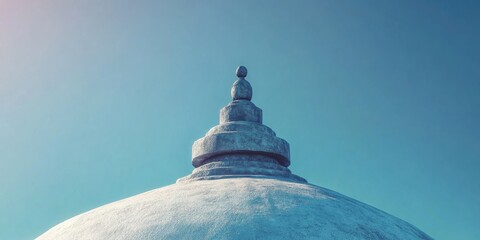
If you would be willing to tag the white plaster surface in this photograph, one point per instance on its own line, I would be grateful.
(236, 208)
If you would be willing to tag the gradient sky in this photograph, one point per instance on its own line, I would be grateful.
(101, 100)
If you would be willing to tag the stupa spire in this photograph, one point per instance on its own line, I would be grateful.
(241, 145)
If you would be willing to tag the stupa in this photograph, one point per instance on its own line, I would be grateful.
(241, 188)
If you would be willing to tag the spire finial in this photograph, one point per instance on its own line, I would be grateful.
(241, 72)
(241, 89)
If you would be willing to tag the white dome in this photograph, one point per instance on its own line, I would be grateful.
(241, 188)
(236, 208)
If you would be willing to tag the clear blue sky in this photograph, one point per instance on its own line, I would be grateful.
(101, 100)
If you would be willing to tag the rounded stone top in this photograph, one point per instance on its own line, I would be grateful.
(241, 72)
(241, 89)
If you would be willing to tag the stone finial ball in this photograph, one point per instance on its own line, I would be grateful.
(241, 72)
